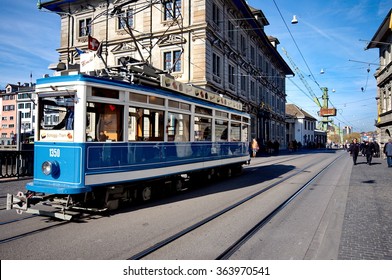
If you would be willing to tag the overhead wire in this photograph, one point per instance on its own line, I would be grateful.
(307, 66)
(295, 43)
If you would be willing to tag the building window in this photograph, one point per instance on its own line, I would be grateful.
(125, 19)
(231, 74)
(244, 82)
(243, 45)
(253, 90)
(172, 61)
(172, 9)
(253, 54)
(231, 31)
(216, 65)
(9, 108)
(260, 61)
(84, 27)
(216, 18)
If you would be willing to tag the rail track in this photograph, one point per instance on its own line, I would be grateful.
(240, 241)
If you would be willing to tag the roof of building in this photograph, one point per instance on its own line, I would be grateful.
(293, 111)
(382, 32)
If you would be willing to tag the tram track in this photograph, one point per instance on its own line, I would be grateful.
(240, 241)
(32, 232)
(16, 220)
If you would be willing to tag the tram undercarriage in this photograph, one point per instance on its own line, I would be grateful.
(109, 198)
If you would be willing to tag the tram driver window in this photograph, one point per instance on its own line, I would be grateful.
(56, 116)
(56, 112)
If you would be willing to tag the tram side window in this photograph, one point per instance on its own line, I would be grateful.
(203, 128)
(235, 133)
(104, 122)
(221, 130)
(177, 127)
(145, 124)
(244, 134)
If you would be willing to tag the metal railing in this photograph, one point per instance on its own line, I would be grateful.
(16, 164)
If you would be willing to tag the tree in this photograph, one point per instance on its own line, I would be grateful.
(351, 136)
(334, 138)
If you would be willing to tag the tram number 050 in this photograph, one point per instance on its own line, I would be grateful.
(54, 152)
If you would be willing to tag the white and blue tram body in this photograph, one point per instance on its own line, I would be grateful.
(126, 137)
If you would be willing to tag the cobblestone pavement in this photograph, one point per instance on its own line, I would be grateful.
(367, 226)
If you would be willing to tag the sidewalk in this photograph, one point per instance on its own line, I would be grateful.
(367, 226)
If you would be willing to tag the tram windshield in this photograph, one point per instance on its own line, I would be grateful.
(56, 116)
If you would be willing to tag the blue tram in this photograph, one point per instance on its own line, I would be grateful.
(102, 141)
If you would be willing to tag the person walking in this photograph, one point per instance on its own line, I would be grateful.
(388, 152)
(254, 147)
(354, 150)
(369, 151)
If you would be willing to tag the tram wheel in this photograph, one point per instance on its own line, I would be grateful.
(179, 185)
(229, 172)
(145, 193)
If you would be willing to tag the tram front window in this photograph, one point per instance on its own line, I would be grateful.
(56, 115)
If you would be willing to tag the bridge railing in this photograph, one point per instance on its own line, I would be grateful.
(16, 164)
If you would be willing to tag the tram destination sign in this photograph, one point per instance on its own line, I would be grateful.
(169, 83)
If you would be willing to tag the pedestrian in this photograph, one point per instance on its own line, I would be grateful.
(376, 149)
(276, 147)
(354, 150)
(254, 147)
(369, 149)
(388, 152)
(362, 148)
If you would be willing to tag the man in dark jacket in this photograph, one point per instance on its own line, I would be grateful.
(354, 150)
(369, 151)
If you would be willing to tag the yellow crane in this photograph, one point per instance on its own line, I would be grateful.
(325, 111)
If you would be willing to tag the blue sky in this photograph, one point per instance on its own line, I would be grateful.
(329, 34)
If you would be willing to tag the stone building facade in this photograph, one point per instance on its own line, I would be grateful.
(382, 40)
(214, 44)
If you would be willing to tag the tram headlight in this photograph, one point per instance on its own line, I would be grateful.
(50, 168)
